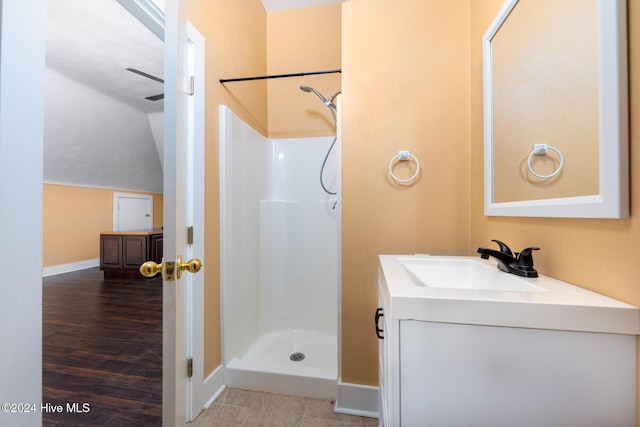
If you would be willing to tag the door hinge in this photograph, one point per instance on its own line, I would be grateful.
(189, 368)
(186, 85)
(190, 235)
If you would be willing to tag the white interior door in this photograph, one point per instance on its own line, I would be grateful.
(193, 394)
(22, 61)
(183, 208)
(201, 389)
(132, 212)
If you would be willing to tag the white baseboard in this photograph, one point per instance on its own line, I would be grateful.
(68, 268)
(214, 385)
(357, 399)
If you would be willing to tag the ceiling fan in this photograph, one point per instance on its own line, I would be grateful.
(149, 76)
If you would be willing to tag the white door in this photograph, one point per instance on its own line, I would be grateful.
(22, 55)
(183, 326)
(200, 389)
(132, 212)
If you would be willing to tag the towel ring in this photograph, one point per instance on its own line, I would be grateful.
(404, 156)
(539, 150)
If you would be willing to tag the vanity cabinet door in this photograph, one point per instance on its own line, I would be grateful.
(110, 251)
(134, 251)
(155, 248)
(487, 376)
(388, 368)
(382, 370)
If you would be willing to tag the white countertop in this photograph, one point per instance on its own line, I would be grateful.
(561, 306)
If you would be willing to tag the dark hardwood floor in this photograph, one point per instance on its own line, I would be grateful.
(102, 350)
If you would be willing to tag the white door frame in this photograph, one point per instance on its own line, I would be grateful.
(22, 71)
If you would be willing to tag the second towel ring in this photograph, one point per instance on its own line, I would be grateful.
(541, 149)
(404, 156)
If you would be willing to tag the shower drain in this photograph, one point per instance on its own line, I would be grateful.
(296, 357)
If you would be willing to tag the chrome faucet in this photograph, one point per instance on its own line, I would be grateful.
(520, 264)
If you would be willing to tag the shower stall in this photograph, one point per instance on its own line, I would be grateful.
(280, 251)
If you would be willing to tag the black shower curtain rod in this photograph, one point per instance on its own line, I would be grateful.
(279, 76)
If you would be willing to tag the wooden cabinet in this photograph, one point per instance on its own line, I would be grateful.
(122, 253)
(110, 251)
(155, 247)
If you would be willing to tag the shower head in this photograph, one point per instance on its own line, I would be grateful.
(327, 102)
(333, 109)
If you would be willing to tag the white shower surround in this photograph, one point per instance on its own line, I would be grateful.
(279, 261)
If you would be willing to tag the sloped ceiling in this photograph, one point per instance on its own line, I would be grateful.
(94, 42)
(97, 127)
(100, 131)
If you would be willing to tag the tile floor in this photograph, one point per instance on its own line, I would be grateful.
(236, 408)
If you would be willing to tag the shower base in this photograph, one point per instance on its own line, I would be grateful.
(267, 365)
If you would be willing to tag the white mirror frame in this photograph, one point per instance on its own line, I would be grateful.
(613, 200)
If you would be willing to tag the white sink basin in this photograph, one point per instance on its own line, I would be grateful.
(470, 290)
(464, 273)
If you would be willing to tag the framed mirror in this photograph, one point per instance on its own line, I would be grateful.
(556, 136)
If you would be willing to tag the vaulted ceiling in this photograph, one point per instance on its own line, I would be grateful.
(94, 42)
(100, 131)
(99, 128)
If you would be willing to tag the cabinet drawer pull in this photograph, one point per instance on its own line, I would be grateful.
(379, 331)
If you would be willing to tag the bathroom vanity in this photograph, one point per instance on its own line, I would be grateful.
(466, 344)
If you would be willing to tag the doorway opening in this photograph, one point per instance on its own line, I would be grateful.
(103, 136)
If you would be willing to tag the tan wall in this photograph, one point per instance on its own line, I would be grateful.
(600, 255)
(406, 86)
(407, 69)
(73, 218)
(303, 40)
(235, 47)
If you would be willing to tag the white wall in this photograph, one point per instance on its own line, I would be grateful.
(156, 121)
(280, 232)
(92, 139)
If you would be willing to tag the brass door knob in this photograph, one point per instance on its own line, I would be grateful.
(150, 269)
(192, 266)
